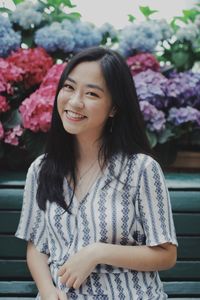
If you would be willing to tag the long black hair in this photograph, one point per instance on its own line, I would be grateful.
(128, 131)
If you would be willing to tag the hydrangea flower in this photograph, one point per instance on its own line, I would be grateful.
(26, 15)
(188, 33)
(154, 118)
(1, 131)
(184, 89)
(36, 110)
(85, 35)
(165, 29)
(4, 106)
(54, 37)
(12, 136)
(10, 75)
(35, 63)
(67, 36)
(142, 62)
(142, 37)
(9, 39)
(178, 116)
(150, 86)
(107, 28)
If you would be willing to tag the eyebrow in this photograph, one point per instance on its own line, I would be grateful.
(91, 85)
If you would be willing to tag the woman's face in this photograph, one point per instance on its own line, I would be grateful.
(84, 103)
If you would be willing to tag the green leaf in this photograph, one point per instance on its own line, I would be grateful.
(165, 135)
(146, 11)
(13, 120)
(68, 3)
(190, 14)
(131, 18)
(73, 16)
(152, 138)
(5, 10)
(17, 1)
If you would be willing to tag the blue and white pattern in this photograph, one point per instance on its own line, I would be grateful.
(128, 205)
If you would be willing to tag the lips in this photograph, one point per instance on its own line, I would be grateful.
(74, 115)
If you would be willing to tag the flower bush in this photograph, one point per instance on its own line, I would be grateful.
(38, 37)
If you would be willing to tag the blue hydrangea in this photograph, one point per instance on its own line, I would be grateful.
(188, 33)
(27, 15)
(165, 29)
(108, 28)
(54, 37)
(67, 36)
(9, 39)
(86, 35)
(142, 37)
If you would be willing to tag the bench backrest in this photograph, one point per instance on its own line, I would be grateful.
(181, 281)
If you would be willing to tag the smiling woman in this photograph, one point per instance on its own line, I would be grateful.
(96, 210)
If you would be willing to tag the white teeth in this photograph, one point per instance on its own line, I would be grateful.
(74, 115)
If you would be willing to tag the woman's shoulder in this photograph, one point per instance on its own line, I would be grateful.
(36, 164)
(142, 160)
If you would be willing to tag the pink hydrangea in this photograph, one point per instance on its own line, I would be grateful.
(53, 75)
(4, 106)
(12, 135)
(36, 111)
(10, 74)
(1, 131)
(34, 61)
(142, 62)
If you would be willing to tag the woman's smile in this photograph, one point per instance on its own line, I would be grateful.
(74, 116)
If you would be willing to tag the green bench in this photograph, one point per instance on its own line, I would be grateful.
(181, 282)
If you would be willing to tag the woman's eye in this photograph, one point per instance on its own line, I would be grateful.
(92, 94)
(68, 87)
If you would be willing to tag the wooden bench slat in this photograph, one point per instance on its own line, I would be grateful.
(184, 270)
(182, 201)
(11, 199)
(183, 288)
(185, 201)
(187, 224)
(183, 181)
(9, 221)
(171, 288)
(12, 247)
(24, 288)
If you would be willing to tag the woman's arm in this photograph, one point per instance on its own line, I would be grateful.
(139, 258)
(38, 266)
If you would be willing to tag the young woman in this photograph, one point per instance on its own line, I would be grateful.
(96, 211)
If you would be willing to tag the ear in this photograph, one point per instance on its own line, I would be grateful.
(113, 112)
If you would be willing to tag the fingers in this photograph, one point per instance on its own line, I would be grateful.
(61, 271)
(61, 295)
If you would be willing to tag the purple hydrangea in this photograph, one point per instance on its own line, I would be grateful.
(150, 86)
(183, 89)
(154, 118)
(178, 116)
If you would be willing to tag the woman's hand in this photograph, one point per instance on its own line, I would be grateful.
(54, 294)
(78, 267)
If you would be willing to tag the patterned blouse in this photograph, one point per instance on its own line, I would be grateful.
(131, 207)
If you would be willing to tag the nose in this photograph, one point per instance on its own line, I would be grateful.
(76, 101)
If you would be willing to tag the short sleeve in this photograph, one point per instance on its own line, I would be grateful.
(155, 207)
(32, 225)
